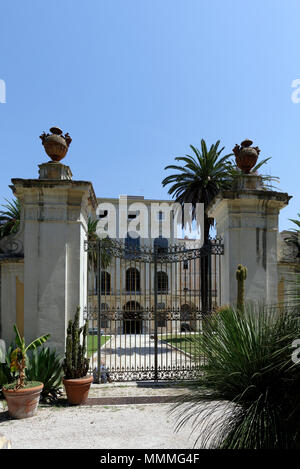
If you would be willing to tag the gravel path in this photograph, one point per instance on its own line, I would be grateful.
(98, 427)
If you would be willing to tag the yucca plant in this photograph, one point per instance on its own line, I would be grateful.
(10, 217)
(45, 365)
(248, 389)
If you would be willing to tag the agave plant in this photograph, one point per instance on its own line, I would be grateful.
(45, 366)
(19, 357)
(248, 389)
(10, 218)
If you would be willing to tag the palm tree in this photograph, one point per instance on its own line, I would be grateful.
(203, 175)
(104, 247)
(200, 179)
(10, 218)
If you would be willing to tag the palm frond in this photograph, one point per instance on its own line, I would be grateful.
(10, 217)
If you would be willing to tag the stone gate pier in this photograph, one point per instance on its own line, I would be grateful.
(246, 218)
(44, 265)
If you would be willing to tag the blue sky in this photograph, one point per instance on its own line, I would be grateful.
(135, 82)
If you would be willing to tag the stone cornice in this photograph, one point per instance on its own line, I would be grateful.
(48, 183)
(280, 198)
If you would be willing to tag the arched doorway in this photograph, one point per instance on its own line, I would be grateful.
(132, 323)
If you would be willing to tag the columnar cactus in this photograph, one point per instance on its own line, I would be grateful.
(76, 365)
(241, 275)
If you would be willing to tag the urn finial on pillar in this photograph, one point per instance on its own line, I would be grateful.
(246, 156)
(56, 146)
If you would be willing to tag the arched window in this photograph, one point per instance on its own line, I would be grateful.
(162, 282)
(133, 280)
(161, 245)
(105, 283)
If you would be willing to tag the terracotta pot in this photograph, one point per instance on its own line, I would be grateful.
(78, 389)
(56, 145)
(23, 403)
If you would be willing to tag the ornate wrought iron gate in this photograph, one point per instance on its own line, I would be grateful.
(146, 306)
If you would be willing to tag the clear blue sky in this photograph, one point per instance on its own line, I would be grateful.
(135, 82)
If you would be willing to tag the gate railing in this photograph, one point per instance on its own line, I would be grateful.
(148, 308)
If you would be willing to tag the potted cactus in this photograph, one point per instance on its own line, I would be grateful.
(76, 365)
(22, 396)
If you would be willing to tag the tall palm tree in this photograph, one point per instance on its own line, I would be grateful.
(104, 247)
(200, 179)
(203, 175)
(10, 218)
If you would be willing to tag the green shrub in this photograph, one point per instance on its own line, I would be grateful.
(251, 384)
(46, 366)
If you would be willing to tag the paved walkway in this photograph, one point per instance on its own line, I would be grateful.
(129, 351)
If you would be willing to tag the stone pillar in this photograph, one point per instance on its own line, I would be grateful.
(54, 214)
(247, 220)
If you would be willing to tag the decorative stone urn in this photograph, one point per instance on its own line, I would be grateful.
(246, 156)
(56, 144)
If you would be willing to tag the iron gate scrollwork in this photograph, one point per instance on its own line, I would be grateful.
(146, 306)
